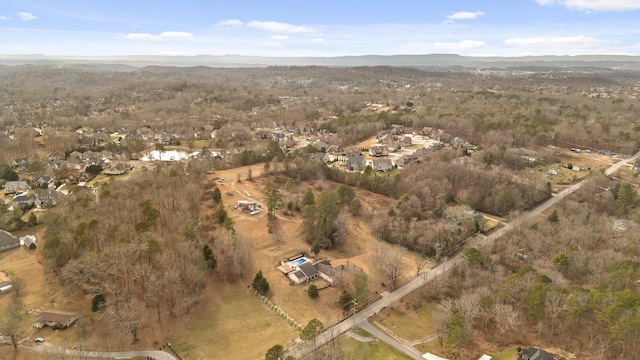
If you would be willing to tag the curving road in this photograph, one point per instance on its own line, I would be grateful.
(153, 354)
(300, 349)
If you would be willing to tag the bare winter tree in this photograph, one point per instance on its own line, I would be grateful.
(11, 325)
(127, 317)
(389, 263)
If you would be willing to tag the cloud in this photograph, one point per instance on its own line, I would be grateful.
(555, 42)
(25, 16)
(594, 5)
(464, 15)
(163, 36)
(176, 34)
(3, 17)
(318, 40)
(279, 27)
(230, 22)
(279, 37)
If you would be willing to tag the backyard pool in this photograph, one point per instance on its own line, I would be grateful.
(298, 262)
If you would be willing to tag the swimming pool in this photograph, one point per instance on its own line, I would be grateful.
(298, 262)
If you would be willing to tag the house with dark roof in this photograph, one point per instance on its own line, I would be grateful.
(535, 354)
(308, 271)
(356, 163)
(24, 201)
(8, 241)
(47, 198)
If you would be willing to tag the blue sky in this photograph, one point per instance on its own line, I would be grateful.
(320, 28)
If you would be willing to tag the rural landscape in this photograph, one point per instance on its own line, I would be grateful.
(320, 211)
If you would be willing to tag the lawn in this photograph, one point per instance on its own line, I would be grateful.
(508, 354)
(373, 350)
(228, 324)
(410, 319)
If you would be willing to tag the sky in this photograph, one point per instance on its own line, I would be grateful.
(320, 28)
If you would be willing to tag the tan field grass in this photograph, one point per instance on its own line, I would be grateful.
(372, 350)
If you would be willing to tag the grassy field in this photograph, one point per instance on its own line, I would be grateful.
(372, 350)
(408, 320)
(231, 323)
(508, 354)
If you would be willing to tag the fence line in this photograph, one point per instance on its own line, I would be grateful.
(275, 308)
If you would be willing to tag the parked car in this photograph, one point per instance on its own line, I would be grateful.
(39, 340)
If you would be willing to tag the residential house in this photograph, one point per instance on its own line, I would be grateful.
(100, 162)
(166, 139)
(352, 151)
(74, 163)
(288, 143)
(335, 150)
(88, 155)
(382, 165)
(426, 131)
(55, 319)
(356, 163)
(378, 150)
(8, 241)
(320, 145)
(119, 169)
(535, 354)
(47, 198)
(72, 179)
(43, 181)
(105, 155)
(304, 273)
(406, 141)
(15, 187)
(24, 201)
(85, 176)
(102, 138)
(408, 159)
(55, 156)
(327, 271)
(122, 155)
(246, 206)
(21, 164)
(397, 129)
(75, 155)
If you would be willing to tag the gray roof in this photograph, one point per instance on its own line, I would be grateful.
(536, 354)
(299, 275)
(7, 239)
(308, 270)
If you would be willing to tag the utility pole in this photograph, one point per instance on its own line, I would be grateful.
(355, 303)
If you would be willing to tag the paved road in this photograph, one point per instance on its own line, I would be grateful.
(299, 350)
(404, 348)
(154, 354)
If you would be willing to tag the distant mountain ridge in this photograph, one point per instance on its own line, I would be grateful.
(428, 61)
